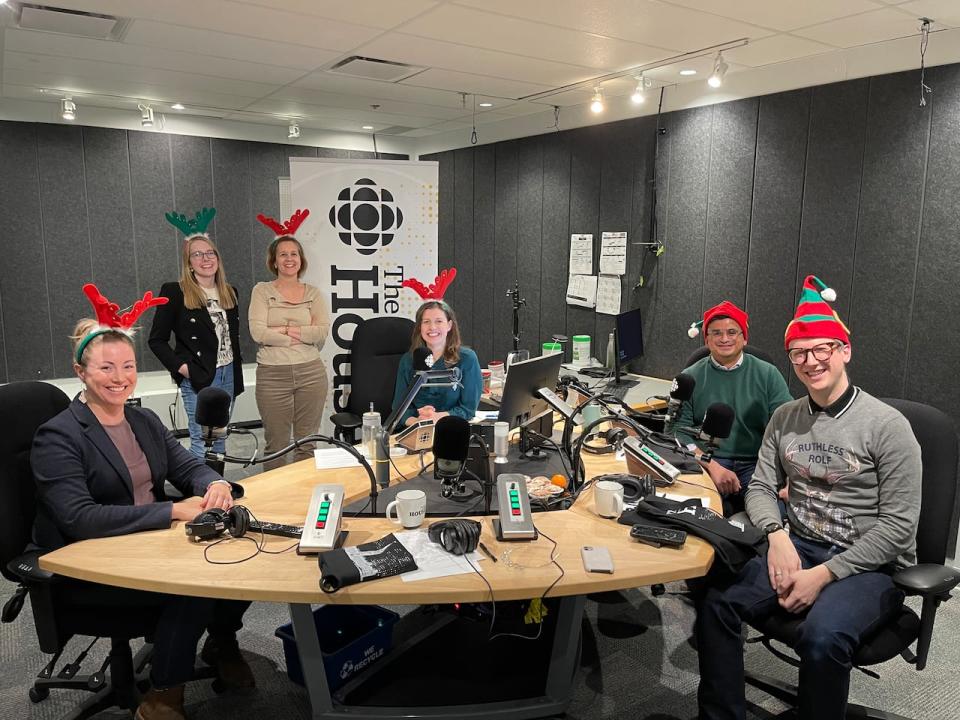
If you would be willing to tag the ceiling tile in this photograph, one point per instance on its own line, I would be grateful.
(294, 108)
(780, 14)
(522, 37)
(401, 47)
(656, 24)
(373, 13)
(775, 49)
(942, 12)
(361, 102)
(479, 84)
(330, 82)
(871, 27)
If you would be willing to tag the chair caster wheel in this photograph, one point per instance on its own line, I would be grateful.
(38, 694)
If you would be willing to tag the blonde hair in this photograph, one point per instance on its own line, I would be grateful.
(272, 254)
(451, 353)
(194, 297)
(88, 332)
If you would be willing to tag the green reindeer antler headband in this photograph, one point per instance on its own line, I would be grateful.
(196, 226)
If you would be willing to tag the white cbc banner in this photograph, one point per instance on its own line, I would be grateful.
(372, 224)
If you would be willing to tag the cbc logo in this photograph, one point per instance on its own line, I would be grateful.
(366, 216)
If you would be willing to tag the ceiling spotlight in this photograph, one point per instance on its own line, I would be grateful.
(146, 116)
(485, 104)
(367, 127)
(294, 130)
(68, 109)
(638, 93)
(719, 70)
(688, 72)
(177, 106)
(596, 105)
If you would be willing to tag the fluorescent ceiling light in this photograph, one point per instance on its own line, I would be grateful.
(177, 106)
(486, 104)
(688, 72)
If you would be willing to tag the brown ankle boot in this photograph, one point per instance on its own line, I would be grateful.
(162, 705)
(223, 653)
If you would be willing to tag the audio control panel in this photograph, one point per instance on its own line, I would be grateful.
(321, 528)
(515, 521)
(663, 472)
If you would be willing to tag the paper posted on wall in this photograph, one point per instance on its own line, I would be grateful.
(581, 255)
(582, 290)
(608, 294)
(613, 253)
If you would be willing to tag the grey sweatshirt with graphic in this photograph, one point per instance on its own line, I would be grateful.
(854, 481)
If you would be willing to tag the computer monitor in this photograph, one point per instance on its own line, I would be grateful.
(628, 340)
(520, 403)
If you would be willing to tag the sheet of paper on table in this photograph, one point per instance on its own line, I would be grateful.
(432, 560)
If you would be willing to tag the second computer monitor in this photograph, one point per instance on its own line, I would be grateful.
(520, 403)
(628, 335)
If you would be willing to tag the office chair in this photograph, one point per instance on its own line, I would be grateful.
(375, 352)
(703, 351)
(929, 578)
(24, 406)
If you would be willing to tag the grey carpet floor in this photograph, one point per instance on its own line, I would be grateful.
(637, 662)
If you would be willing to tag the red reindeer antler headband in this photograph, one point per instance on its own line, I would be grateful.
(108, 317)
(290, 227)
(437, 289)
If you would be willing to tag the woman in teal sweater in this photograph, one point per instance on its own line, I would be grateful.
(436, 329)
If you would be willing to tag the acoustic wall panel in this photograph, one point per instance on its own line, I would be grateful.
(555, 241)
(23, 276)
(484, 253)
(732, 154)
(505, 247)
(934, 331)
(152, 192)
(890, 209)
(530, 240)
(585, 153)
(232, 195)
(445, 226)
(66, 234)
(685, 234)
(268, 163)
(3, 347)
(192, 176)
(463, 247)
(775, 224)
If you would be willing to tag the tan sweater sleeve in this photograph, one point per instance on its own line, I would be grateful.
(316, 332)
(261, 334)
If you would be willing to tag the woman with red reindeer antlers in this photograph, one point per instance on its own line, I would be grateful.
(436, 329)
(289, 321)
(203, 316)
(100, 467)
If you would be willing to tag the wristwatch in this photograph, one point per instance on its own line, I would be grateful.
(771, 528)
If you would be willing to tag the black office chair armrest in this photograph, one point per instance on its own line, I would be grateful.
(346, 420)
(27, 568)
(927, 579)
(934, 582)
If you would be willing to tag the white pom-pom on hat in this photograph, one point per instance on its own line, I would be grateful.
(828, 294)
(693, 331)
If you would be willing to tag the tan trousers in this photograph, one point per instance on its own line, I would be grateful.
(290, 399)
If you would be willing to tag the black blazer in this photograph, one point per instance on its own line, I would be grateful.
(84, 489)
(196, 340)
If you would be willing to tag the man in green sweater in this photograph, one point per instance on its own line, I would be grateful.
(752, 387)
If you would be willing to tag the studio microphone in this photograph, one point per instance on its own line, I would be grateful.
(451, 444)
(716, 426)
(213, 413)
(680, 392)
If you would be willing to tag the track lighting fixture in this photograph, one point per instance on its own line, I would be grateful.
(146, 116)
(68, 109)
(719, 70)
(639, 94)
(596, 105)
(294, 130)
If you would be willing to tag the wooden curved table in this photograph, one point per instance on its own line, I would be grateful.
(166, 561)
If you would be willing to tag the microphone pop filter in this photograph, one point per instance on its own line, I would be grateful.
(213, 407)
(683, 386)
(717, 421)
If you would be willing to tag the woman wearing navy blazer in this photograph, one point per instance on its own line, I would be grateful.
(100, 467)
(203, 316)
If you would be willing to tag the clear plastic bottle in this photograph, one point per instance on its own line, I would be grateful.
(370, 431)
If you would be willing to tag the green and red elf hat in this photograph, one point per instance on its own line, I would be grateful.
(192, 227)
(814, 318)
(724, 309)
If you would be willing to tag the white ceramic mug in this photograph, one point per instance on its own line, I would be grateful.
(608, 498)
(411, 508)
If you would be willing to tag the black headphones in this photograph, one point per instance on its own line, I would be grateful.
(612, 436)
(635, 487)
(215, 522)
(458, 536)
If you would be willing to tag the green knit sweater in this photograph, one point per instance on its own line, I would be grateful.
(754, 390)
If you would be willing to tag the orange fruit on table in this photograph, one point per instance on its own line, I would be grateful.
(559, 480)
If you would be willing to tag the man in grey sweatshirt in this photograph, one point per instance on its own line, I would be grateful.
(852, 469)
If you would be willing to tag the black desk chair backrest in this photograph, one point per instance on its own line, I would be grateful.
(375, 351)
(24, 406)
(702, 351)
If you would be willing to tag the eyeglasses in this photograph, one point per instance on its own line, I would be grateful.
(731, 333)
(200, 255)
(821, 353)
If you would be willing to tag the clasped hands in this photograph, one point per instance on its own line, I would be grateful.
(426, 413)
(797, 588)
(217, 496)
